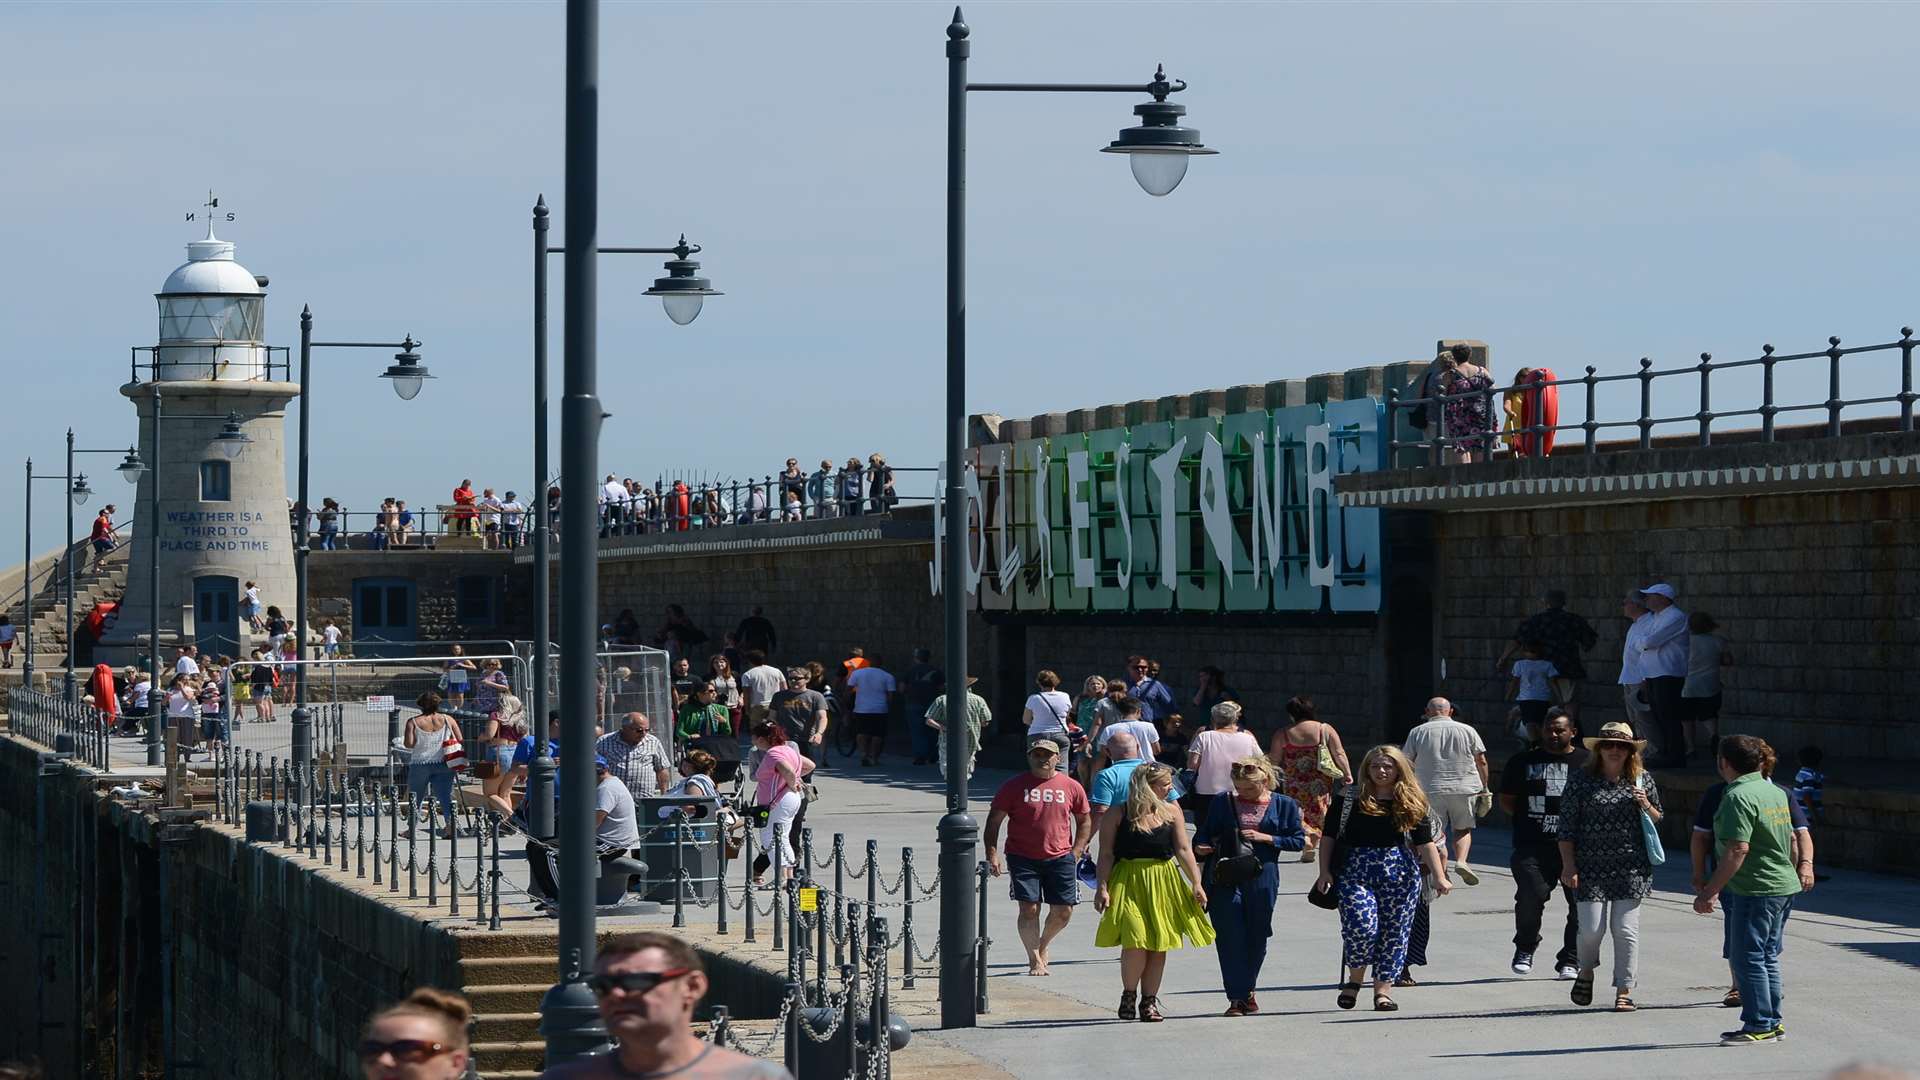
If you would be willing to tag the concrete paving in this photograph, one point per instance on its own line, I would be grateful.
(1852, 964)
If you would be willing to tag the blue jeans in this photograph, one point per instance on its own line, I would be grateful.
(1756, 927)
(432, 780)
(1242, 917)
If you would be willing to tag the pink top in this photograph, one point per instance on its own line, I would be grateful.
(771, 784)
(1250, 812)
(1218, 750)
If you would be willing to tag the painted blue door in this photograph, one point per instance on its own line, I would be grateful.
(216, 616)
(383, 611)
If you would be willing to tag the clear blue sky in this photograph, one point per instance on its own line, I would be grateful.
(1573, 183)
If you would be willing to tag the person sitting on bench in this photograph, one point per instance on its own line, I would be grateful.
(616, 832)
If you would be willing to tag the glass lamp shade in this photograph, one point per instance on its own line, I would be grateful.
(1158, 171)
(233, 448)
(131, 467)
(407, 386)
(81, 492)
(682, 308)
(407, 373)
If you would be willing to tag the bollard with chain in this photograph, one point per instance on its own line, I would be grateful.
(906, 918)
(806, 853)
(873, 874)
(720, 881)
(326, 821)
(679, 871)
(796, 941)
(980, 962)
(820, 944)
(393, 839)
(878, 1013)
(839, 890)
(360, 830)
(453, 864)
(479, 865)
(746, 887)
(493, 832)
(376, 832)
(433, 851)
(796, 1015)
(779, 930)
(413, 828)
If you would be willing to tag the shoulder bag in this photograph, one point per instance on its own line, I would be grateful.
(453, 751)
(1234, 861)
(1650, 834)
(1323, 758)
(1328, 898)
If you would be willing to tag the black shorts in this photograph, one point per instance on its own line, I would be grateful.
(1532, 713)
(1700, 709)
(1050, 881)
(871, 725)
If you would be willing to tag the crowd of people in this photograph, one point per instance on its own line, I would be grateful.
(625, 507)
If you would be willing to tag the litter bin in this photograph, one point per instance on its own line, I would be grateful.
(699, 846)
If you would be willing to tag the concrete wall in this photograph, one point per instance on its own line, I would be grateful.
(435, 574)
(159, 938)
(1817, 594)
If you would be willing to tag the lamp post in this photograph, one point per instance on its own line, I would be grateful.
(130, 467)
(26, 671)
(569, 1020)
(232, 442)
(682, 293)
(1158, 149)
(406, 374)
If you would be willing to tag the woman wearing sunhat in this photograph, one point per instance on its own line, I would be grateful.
(1603, 856)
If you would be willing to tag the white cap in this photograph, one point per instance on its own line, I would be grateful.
(1662, 589)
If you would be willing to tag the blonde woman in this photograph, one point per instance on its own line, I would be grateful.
(1603, 856)
(1252, 818)
(1147, 908)
(421, 1038)
(1381, 828)
(1086, 713)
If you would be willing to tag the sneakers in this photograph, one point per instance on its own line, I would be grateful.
(1466, 873)
(1522, 962)
(1748, 1038)
(1565, 972)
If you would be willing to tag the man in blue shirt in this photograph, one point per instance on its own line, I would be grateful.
(1156, 701)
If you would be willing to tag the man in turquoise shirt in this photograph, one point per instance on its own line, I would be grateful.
(1754, 829)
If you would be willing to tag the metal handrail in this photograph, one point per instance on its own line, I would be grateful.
(1704, 417)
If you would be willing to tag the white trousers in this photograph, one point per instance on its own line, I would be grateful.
(1620, 918)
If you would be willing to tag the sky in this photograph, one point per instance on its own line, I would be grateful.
(1573, 183)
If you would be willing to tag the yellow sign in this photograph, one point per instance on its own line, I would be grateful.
(809, 899)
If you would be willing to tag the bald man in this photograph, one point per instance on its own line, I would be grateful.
(1110, 783)
(1450, 761)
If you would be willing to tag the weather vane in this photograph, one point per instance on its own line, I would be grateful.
(212, 204)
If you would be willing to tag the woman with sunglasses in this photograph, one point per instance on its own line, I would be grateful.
(1381, 836)
(1252, 819)
(421, 1038)
(1603, 856)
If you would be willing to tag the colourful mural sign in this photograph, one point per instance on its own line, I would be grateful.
(1213, 514)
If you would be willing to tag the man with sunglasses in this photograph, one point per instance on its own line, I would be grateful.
(647, 986)
(1156, 701)
(801, 713)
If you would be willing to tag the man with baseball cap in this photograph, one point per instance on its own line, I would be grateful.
(1659, 642)
(1049, 825)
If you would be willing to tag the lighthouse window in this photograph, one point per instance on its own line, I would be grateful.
(216, 482)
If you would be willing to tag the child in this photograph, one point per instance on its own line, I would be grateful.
(1707, 653)
(1810, 783)
(1531, 688)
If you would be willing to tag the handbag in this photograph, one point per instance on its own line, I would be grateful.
(1323, 758)
(454, 753)
(1327, 897)
(1234, 861)
(1650, 835)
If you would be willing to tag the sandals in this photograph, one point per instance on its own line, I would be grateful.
(1349, 995)
(1127, 1009)
(1383, 1003)
(1150, 1010)
(1623, 1002)
(1406, 979)
(1583, 989)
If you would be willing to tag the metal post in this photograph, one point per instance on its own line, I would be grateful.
(66, 681)
(877, 1015)
(493, 832)
(569, 1018)
(540, 770)
(433, 852)
(980, 964)
(746, 884)
(1767, 408)
(413, 828)
(679, 872)
(1834, 403)
(839, 885)
(1906, 378)
(26, 590)
(819, 946)
(393, 839)
(1706, 399)
(156, 753)
(796, 1015)
(1646, 404)
(393, 735)
(720, 878)
(774, 848)
(958, 831)
(302, 726)
(360, 830)
(873, 874)
(906, 917)
(1589, 426)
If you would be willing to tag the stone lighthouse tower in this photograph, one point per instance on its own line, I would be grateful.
(222, 514)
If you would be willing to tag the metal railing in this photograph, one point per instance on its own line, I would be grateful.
(1536, 440)
(271, 370)
(67, 727)
(682, 504)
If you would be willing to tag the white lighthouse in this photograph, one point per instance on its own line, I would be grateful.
(222, 515)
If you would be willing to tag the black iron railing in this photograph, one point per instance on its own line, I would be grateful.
(1536, 440)
(275, 361)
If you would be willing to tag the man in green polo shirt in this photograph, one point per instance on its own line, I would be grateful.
(1754, 829)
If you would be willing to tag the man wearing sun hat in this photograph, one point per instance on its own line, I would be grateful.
(979, 717)
(1660, 640)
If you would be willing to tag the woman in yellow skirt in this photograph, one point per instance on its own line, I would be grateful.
(1147, 906)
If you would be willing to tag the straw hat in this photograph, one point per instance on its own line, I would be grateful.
(1615, 732)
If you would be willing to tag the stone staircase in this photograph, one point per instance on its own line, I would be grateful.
(92, 585)
(504, 975)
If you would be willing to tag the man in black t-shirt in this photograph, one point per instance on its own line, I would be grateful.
(801, 712)
(1530, 788)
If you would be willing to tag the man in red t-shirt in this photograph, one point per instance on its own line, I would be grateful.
(103, 534)
(1049, 824)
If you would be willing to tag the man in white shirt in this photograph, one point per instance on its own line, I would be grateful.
(1450, 761)
(1144, 737)
(512, 513)
(187, 665)
(758, 684)
(489, 517)
(613, 496)
(1632, 679)
(1661, 642)
(873, 692)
